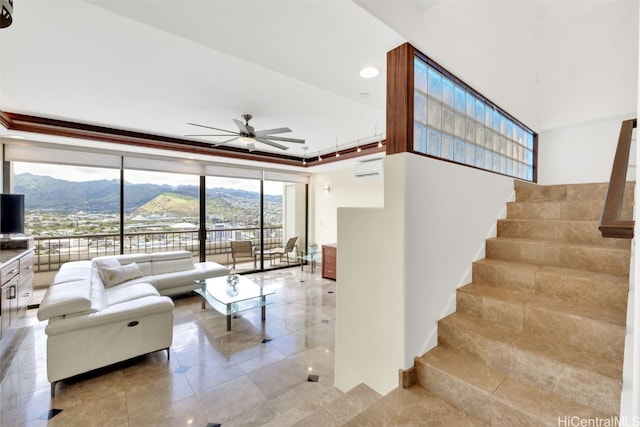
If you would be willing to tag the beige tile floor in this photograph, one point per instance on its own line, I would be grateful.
(214, 376)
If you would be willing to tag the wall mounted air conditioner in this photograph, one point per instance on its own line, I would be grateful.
(367, 169)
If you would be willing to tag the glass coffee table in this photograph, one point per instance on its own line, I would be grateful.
(310, 257)
(225, 300)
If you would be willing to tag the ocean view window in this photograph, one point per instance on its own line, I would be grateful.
(453, 122)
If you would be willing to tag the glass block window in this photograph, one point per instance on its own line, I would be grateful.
(453, 122)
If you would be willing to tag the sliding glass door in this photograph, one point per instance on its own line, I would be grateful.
(232, 212)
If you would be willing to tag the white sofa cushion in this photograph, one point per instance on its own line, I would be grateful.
(169, 262)
(65, 299)
(112, 276)
(72, 271)
(128, 292)
(123, 312)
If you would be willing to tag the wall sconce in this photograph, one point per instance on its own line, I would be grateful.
(327, 189)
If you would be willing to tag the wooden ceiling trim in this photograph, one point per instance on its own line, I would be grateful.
(63, 128)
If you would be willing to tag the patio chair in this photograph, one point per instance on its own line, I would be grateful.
(242, 249)
(279, 252)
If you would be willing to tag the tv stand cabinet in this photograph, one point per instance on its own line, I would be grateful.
(16, 285)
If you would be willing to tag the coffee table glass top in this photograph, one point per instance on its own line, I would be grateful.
(222, 298)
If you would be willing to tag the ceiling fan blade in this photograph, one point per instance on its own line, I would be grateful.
(213, 144)
(210, 127)
(273, 144)
(272, 131)
(279, 138)
(207, 134)
(241, 126)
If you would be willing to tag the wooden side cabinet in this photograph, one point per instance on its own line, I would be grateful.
(16, 285)
(329, 261)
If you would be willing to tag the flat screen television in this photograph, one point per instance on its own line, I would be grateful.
(11, 213)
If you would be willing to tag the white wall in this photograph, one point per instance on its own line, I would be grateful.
(587, 84)
(587, 67)
(402, 277)
(490, 45)
(581, 153)
(345, 191)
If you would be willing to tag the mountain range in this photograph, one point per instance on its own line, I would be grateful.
(44, 193)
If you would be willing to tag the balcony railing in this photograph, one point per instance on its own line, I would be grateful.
(51, 252)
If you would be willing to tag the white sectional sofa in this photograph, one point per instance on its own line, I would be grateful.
(114, 308)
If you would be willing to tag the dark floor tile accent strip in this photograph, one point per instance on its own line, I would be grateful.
(181, 370)
(266, 340)
(214, 425)
(50, 414)
(330, 292)
(324, 321)
(313, 378)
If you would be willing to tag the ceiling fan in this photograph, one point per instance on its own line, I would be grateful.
(248, 135)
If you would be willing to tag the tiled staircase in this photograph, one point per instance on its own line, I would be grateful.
(539, 333)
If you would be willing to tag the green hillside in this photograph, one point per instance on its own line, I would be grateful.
(177, 205)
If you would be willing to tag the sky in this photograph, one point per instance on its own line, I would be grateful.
(80, 174)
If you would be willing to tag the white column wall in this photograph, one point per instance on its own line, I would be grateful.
(345, 191)
(399, 266)
(630, 398)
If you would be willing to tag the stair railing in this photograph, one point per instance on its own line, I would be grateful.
(611, 224)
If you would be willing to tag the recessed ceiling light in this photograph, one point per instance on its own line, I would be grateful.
(364, 95)
(369, 72)
(15, 136)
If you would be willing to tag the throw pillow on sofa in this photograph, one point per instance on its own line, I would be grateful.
(112, 276)
(105, 263)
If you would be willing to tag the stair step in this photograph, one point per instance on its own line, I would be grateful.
(503, 306)
(559, 254)
(504, 274)
(567, 192)
(571, 231)
(516, 403)
(585, 377)
(600, 290)
(590, 328)
(536, 193)
(413, 406)
(583, 287)
(584, 210)
(589, 378)
(460, 380)
(491, 395)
